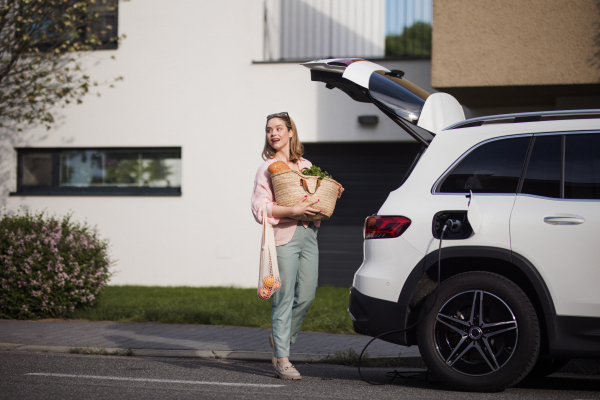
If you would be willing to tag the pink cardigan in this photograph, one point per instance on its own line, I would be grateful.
(263, 194)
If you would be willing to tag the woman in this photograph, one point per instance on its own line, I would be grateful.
(297, 250)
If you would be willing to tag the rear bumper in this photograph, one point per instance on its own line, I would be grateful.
(372, 317)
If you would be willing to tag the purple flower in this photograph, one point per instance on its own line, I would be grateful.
(43, 259)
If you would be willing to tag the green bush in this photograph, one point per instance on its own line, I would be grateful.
(49, 266)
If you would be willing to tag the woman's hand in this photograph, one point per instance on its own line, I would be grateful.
(340, 191)
(304, 207)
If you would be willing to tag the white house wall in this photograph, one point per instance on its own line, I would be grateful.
(189, 82)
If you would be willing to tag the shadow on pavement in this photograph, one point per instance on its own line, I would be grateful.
(318, 371)
(563, 382)
(419, 378)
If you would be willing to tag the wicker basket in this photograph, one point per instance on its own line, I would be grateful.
(290, 186)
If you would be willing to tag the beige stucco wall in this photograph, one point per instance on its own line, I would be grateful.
(515, 42)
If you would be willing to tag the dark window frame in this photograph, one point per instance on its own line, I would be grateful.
(56, 190)
(528, 158)
(83, 30)
(114, 32)
(563, 162)
(564, 166)
(564, 134)
(436, 189)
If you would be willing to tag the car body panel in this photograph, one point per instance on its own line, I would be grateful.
(439, 111)
(379, 275)
(360, 72)
(567, 255)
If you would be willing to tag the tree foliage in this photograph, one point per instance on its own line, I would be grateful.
(41, 46)
(414, 40)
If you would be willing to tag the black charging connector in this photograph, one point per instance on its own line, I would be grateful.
(459, 228)
(454, 225)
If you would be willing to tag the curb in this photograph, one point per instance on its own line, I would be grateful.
(218, 354)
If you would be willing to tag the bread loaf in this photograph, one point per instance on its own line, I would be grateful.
(278, 166)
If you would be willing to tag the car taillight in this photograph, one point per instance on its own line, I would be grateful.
(385, 227)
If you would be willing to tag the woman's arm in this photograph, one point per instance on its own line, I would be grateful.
(261, 195)
(302, 207)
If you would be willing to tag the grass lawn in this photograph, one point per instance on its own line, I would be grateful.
(212, 305)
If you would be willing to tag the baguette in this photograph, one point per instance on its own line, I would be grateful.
(278, 166)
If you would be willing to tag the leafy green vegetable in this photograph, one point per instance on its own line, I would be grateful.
(316, 171)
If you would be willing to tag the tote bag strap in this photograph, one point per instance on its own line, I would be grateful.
(305, 185)
(268, 233)
(264, 225)
(269, 243)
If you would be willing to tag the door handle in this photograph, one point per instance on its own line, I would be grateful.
(558, 220)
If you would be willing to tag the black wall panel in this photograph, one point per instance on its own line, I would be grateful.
(368, 172)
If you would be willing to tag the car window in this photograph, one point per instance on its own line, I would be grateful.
(542, 177)
(494, 167)
(582, 166)
(399, 99)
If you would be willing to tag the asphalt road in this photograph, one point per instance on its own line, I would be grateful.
(26, 375)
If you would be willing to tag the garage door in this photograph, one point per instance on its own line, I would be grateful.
(369, 172)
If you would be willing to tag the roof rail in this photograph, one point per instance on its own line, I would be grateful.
(525, 117)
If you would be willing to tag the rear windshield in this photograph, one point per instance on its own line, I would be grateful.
(402, 97)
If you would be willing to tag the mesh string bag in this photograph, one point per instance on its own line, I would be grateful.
(268, 273)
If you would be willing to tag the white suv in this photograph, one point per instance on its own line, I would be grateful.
(519, 195)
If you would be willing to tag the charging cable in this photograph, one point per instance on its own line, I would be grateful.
(453, 225)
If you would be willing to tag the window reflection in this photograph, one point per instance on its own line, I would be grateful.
(398, 96)
(122, 168)
(81, 168)
(494, 167)
(582, 167)
(543, 170)
(36, 169)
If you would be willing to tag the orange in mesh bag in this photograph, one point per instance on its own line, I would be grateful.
(268, 273)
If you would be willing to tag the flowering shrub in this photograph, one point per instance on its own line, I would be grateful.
(49, 266)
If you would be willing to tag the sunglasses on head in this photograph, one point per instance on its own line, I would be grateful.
(279, 115)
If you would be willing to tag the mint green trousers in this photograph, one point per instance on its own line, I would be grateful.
(298, 262)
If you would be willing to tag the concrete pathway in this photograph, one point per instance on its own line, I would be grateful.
(181, 340)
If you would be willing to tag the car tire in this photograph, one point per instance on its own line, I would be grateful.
(481, 333)
(547, 366)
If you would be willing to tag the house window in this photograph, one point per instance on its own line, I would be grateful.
(99, 172)
(105, 25)
(295, 30)
(102, 22)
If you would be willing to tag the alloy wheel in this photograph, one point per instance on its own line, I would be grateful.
(475, 333)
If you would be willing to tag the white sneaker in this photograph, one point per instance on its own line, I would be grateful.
(287, 371)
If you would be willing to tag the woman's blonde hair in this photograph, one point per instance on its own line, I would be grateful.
(296, 147)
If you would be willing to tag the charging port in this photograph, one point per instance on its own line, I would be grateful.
(458, 227)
